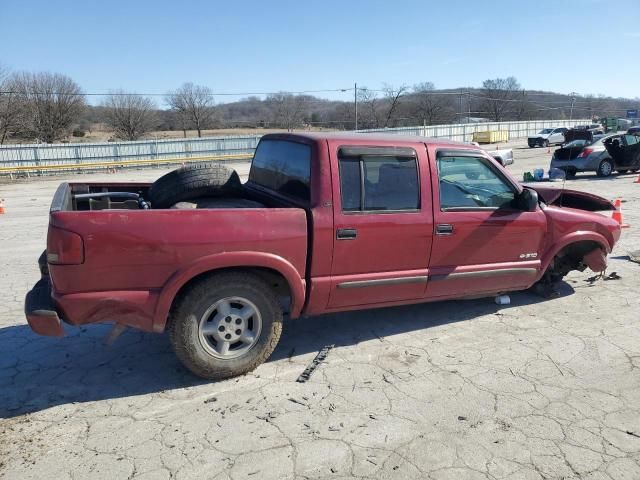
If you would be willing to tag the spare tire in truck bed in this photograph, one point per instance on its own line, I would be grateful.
(193, 181)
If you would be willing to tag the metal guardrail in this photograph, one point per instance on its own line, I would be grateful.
(35, 158)
(41, 158)
(463, 132)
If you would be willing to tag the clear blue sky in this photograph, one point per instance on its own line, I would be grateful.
(587, 46)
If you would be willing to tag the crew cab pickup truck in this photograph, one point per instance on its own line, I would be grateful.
(326, 222)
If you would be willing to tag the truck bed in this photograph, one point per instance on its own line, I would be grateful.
(126, 248)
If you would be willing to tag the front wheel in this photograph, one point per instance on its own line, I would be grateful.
(605, 168)
(545, 143)
(225, 325)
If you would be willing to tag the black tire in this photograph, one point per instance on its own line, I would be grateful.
(193, 181)
(623, 171)
(604, 168)
(191, 307)
(545, 143)
(570, 173)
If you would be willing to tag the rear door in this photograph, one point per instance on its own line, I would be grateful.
(482, 242)
(383, 224)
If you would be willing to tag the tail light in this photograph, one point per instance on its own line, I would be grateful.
(585, 153)
(64, 247)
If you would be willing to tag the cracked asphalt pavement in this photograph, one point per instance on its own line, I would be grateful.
(538, 389)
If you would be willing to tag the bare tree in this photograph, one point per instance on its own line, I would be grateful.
(392, 96)
(288, 110)
(51, 104)
(429, 107)
(369, 113)
(194, 105)
(10, 106)
(498, 96)
(129, 115)
(522, 107)
(376, 112)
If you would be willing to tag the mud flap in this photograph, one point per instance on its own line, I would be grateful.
(596, 260)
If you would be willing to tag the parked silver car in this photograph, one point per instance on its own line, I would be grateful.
(585, 156)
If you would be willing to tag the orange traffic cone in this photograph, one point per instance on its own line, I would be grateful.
(1, 206)
(637, 180)
(617, 215)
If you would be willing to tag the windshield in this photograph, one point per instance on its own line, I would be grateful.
(546, 130)
(576, 143)
(602, 138)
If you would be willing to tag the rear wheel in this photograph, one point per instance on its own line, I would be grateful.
(225, 325)
(605, 168)
(570, 173)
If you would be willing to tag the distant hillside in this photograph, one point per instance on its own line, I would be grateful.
(397, 108)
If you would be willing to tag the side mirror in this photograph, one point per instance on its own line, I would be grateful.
(528, 200)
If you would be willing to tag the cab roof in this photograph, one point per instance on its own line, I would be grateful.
(368, 138)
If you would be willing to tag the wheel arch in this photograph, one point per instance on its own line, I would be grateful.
(578, 242)
(275, 270)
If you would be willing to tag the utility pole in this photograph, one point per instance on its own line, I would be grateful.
(573, 99)
(355, 103)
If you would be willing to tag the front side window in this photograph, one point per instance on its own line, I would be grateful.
(378, 181)
(284, 167)
(470, 183)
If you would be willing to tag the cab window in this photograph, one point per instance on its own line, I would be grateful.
(472, 183)
(378, 179)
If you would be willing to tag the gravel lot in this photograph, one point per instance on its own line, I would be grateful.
(452, 390)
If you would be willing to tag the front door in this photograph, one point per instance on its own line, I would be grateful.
(383, 224)
(483, 242)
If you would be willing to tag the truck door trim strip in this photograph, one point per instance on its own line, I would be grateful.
(384, 281)
(485, 273)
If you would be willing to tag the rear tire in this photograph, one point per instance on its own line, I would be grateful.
(193, 181)
(604, 168)
(225, 325)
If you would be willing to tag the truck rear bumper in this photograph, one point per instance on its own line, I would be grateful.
(40, 311)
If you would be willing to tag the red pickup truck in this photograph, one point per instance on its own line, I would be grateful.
(326, 222)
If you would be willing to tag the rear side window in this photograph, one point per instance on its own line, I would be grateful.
(284, 167)
(384, 180)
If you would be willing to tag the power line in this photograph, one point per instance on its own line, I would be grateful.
(212, 94)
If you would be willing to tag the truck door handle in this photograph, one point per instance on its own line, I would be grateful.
(346, 233)
(444, 229)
